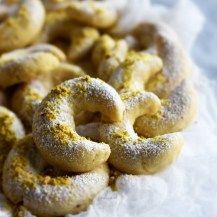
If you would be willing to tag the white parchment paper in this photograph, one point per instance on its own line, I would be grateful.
(188, 188)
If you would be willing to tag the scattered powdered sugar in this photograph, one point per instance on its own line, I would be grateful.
(177, 111)
(82, 189)
(188, 187)
(66, 192)
(84, 181)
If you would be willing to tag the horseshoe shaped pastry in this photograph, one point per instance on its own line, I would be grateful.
(25, 180)
(177, 111)
(11, 130)
(53, 124)
(81, 38)
(134, 72)
(21, 24)
(107, 55)
(177, 95)
(28, 96)
(25, 64)
(131, 153)
(94, 13)
(176, 66)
